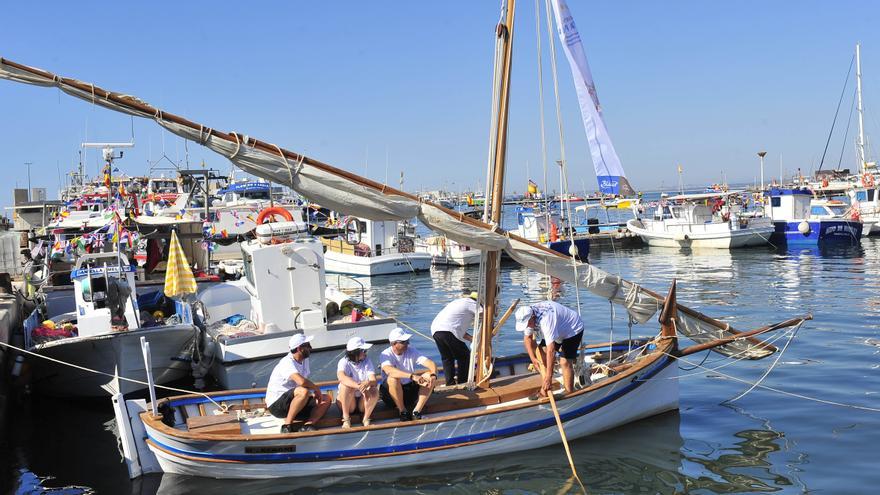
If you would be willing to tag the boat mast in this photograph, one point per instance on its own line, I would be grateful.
(504, 33)
(861, 145)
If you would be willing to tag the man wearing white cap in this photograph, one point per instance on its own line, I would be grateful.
(561, 329)
(357, 380)
(403, 388)
(449, 330)
(287, 393)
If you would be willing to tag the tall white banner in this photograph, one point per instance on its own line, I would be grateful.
(609, 171)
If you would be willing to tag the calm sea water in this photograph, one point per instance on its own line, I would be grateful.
(765, 442)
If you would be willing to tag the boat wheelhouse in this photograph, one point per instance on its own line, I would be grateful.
(798, 218)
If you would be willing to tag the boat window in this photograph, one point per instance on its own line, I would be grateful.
(862, 195)
(818, 210)
(776, 201)
(261, 195)
(871, 194)
(838, 209)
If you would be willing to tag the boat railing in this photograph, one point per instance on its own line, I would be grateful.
(340, 276)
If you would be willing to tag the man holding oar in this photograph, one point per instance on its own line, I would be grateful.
(561, 330)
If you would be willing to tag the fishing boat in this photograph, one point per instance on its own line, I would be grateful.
(103, 334)
(800, 219)
(374, 247)
(550, 229)
(702, 221)
(447, 252)
(498, 411)
(248, 322)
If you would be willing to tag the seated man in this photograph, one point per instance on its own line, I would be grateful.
(559, 329)
(288, 392)
(403, 388)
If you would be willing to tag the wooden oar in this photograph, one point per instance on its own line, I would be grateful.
(504, 318)
(544, 372)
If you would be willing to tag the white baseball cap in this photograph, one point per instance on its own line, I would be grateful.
(298, 340)
(398, 334)
(523, 315)
(357, 343)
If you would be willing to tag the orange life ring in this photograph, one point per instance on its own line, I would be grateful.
(271, 212)
(868, 179)
(554, 232)
(824, 182)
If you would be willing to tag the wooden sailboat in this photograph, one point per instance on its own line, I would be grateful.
(229, 434)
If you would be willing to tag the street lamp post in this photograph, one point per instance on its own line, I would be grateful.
(762, 154)
(28, 164)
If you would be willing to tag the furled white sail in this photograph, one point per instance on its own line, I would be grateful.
(609, 171)
(351, 194)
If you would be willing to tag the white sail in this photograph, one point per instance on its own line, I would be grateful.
(609, 171)
(349, 193)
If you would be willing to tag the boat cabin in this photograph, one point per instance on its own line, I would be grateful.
(284, 273)
(828, 208)
(104, 292)
(244, 192)
(788, 204)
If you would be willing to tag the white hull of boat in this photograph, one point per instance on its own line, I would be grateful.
(368, 266)
(458, 438)
(119, 354)
(732, 239)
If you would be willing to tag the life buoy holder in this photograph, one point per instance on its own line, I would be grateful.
(554, 232)
(268, 214)
(868, 179)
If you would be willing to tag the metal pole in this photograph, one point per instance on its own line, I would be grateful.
(861, 112)
(29, 179)
(762, 154)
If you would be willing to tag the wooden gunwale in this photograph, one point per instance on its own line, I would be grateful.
(664, 347)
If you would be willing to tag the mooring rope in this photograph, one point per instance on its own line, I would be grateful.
(130, 380)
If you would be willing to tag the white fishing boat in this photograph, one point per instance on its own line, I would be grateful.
(283, 292)
(446, 252)
(374, 247)
(494, 414)
(103, 334)
(702, 221)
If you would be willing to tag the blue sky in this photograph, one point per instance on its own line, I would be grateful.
(365, 84)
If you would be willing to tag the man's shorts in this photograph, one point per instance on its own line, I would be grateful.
(410, 395)
(281, 405)
(569, 347)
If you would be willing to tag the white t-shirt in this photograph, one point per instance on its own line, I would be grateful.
(555, 321)
(456, 317)
(408, 361)
(356, 371)
(280, 382)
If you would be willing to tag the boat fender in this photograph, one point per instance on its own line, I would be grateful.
(804, 227)
(573, 250)
(271, 212)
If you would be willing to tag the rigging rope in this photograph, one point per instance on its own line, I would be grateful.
(833, 122)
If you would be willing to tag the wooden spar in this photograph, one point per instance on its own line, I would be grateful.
(726, 340)
(134, 104)
(493, 258)
(504, 317)
(669, 313)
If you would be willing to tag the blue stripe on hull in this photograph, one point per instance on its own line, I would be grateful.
(448, 442)
(820, 231)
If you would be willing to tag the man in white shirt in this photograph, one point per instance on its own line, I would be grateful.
(403, 388)
(449, 330)
(561, 329)
(287, 393)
